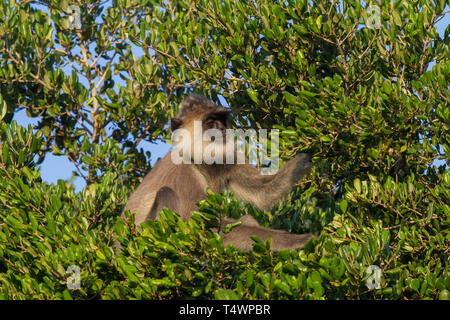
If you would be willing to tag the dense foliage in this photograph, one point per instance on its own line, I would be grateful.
(366, 93)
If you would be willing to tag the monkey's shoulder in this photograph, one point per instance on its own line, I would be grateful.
(168, 173)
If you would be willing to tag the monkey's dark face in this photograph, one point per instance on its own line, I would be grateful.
(205, 127)
(216, 120)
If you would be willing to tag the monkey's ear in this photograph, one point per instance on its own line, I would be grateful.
(175, 123)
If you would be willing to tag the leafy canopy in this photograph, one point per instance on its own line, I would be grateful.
(365, 90)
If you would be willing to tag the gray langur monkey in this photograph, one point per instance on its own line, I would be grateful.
(179, 186)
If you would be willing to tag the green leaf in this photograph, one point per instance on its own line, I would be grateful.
(283, 287)
(414, 284)
(357, 185)
(291, 99)
(230, 226)
(50, 223)
(100, 254)
(3, 108)
(319, 22)
(56, 203)
(396, 17)
(225, 294)
(444, 295)
(253, 95)
(67, 295)
(27, 172)
(343, 205)
(308, 94)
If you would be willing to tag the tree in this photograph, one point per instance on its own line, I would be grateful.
(351, 83)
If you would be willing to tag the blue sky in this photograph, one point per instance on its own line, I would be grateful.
(58, 167)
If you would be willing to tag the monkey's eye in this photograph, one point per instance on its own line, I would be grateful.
(215, 123)
(210, 123)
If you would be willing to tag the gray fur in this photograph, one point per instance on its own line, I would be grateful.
(179, 187)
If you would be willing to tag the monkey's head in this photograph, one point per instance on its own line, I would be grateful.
(202, 122)
(198, 108)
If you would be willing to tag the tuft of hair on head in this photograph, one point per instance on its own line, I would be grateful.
(194, 103)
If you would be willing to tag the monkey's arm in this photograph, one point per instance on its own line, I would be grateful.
(265, 191)
(165, 198)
